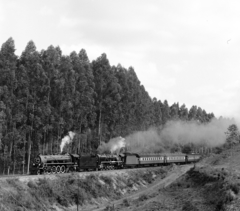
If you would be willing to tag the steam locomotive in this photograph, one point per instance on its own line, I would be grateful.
(55, 164)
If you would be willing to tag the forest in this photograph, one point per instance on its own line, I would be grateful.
(44, 95)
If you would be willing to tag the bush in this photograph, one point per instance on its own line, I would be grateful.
(106, 180)
(189, 207)
(31, 184)
(109, 208)
(229, 196)
(126, 203)
(130, 183)
(62, 200)
(143, 197)
(234, 187)
(148, 177)
(218, 150)
(12, 182)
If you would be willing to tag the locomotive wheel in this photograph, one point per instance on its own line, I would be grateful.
(62, 170)
(58, 169)
(49, 170)
(54, 170)
(45, 170)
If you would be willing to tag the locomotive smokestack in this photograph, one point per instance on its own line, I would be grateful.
(67, 139)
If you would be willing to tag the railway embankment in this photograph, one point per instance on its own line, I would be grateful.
(69, 191)
(212, 185)
(205, 189)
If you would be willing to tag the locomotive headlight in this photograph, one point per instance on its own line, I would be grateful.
(37, 160)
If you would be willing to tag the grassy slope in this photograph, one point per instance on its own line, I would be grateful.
(63, 192)
(213, 185)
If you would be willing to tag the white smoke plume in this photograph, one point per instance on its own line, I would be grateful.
(179, 133)
(113, 146)
(67, 139)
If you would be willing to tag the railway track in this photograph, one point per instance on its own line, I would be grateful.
(83, 173)
(27, 177)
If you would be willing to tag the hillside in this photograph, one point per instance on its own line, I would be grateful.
(212, 184)
(90, 190)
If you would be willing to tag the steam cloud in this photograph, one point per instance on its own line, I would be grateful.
(113, 146)
(67, 139)
(178, 133)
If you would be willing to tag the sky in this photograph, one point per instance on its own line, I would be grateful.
(182, 51)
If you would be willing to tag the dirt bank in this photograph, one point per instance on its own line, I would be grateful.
(87, 190)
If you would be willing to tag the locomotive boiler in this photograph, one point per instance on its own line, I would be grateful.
(52, 164)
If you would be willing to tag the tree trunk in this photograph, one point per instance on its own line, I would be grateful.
(51, 139)
(4, 160)
(30, 143)
(44, 142)
(99, 125)
(10, 152)
(24, 152)
(14, 165)
(79, 141)
(29, 153)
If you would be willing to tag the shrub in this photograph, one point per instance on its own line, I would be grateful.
(234, 187)
(229, 197)
(106, 180)
(109, 208)
(62, 200)
(12, 181)
(31, 184)
(189, 207)
(143, 197)
(148, 177)
(126, 203)
(130, 183)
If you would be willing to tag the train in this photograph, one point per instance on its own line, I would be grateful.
(56, 164)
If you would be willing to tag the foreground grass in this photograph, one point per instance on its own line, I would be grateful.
(67, 191)
(217, 189)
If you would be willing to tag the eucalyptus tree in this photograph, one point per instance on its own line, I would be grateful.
(121, 122)
(84, 111)
(192, 115)
(157, 117)
(165, 112)
(174, 111)
(106, 89)
(31, 79)
(133, 97)
(51, 59)
(8, 84)
(144, 109)
(232, 135)
(183, 112)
